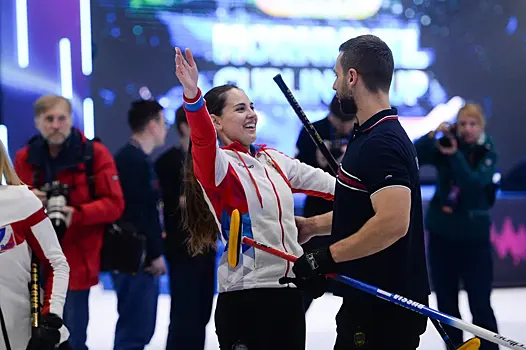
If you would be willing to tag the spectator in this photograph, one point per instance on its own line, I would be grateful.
(57, 154)
(137, 294)
(458, 218)
(335, 130)
(191, 277)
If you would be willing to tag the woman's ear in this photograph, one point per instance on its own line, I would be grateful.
(217, 122)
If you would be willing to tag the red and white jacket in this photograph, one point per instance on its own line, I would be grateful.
(25, 229)
(259, 183)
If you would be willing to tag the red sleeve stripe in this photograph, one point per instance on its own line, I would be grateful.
(349, 181)
(35, 218)
(323, 195)
(33, 243)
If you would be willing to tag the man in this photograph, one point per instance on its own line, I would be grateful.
(137, 294)
(377, 216)
(335, 130)
(191, 300)
(58, 154)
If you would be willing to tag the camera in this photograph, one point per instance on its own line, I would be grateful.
(444, 139)
(57, 194)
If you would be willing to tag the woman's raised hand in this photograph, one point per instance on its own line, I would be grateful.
(186, 72)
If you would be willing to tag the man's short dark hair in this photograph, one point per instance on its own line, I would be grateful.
(180, 118)
(372, 59)
(141, 113)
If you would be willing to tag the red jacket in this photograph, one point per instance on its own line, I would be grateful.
(82, 241)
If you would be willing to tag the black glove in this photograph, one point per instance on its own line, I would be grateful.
(310, 270)
(316, 262)
(47, 335)
(313, 286)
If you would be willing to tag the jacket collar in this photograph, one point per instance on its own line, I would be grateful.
(70, 154)
(238, 147)
(386, 114)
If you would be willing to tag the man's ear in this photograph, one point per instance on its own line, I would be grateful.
(37, 122)
(217, 122)
(352, 76)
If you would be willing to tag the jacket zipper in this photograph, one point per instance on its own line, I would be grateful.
(280, 213)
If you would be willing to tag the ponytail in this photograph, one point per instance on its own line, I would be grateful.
(198, 220)
(6, 169)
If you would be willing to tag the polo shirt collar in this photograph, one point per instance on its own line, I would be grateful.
(386, 114)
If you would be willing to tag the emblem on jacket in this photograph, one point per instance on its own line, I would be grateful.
(251, 166)
(7, 239)
(359, 339)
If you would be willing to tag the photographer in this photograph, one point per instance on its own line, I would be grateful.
(58, 153)
(335, 130)
(458, 218)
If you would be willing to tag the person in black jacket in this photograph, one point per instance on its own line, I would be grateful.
(335, 130)
(192, 279)
(137, 294)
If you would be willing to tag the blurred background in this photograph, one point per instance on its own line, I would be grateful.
(102, 54)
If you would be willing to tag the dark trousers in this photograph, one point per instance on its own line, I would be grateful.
(137, 306)
(374, 324)
(261, 319)
(76, 317)
(192, 287)
(454, 261)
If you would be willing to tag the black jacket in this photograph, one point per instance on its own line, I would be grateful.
(170, 172)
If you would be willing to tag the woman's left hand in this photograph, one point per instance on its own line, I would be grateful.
(306, 229)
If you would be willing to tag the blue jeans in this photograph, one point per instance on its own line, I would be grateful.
(76, 317)
(137, 306)
(192, 286)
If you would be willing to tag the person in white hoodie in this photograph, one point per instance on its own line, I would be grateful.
(257, 306)
(25, 230)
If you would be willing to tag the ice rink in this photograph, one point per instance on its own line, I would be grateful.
(509, 306)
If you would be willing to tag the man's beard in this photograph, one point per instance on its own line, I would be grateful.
(57, 141)
(348, 105)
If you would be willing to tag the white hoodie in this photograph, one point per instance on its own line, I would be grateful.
(260, 184)
(25, 229)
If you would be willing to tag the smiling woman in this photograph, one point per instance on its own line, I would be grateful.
(259, 183)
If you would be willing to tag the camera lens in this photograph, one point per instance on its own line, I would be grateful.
(55, 204)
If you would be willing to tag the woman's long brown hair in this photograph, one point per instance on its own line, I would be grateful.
(198, 220)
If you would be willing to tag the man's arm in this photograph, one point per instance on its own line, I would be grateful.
(385, 172)
(392, 206)
(109, 204)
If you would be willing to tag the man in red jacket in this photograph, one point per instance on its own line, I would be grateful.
(58, 154)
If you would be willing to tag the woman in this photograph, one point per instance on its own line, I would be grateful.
(26, 230)
(458, 218)
(253, 309)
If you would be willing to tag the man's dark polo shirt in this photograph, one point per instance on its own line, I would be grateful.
(379, 155)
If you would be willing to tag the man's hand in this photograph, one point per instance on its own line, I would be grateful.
(314, 263)
(68, 212)
(310, 270)
(41, 195)
(306, 229)
(157, 267)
